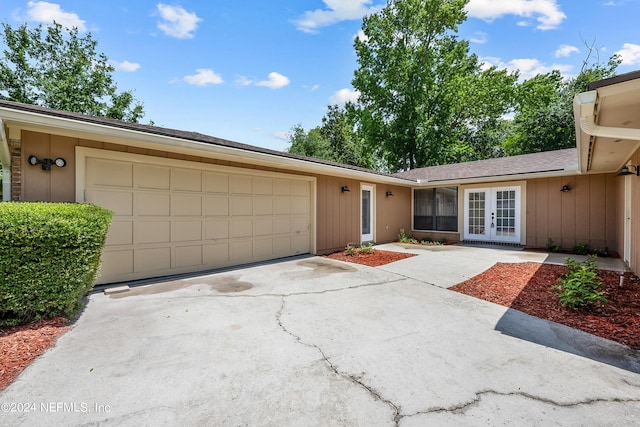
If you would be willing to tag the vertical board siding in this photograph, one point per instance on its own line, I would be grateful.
(586, 214)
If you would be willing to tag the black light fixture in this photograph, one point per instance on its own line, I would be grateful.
(389, 194)
(345, 189)
(565, 188)
(47, 163)
(626, 170)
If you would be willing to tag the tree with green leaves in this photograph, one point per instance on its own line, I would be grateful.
(346, 147)
(310, 144)
(543, 119)
(57, 68)
(422, 94)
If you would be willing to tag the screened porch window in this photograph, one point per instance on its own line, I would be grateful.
(435, 209)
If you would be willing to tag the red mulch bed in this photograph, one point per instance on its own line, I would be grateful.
(527, 287)
(373, 259)
(20, 345)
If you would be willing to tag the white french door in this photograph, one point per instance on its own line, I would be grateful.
(367, 213)
(492, 214)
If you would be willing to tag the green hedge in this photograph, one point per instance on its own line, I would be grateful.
(49, 258)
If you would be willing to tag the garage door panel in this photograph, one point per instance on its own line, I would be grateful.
(152, 232)
(120, 264)
(241, 250)
(186, 205)
(188, 256)
(241, 206)
(263, 206)
(152, 259)
(299, 206)
(217, 230)
(300, 188)
(152, 177)
(300, 224)
(282, 206)
(263, 249)
(152, 204)
(281, 187)
(186, 180)
(263, 227)
(120, 202)
(173, 216)
(185, 231)
(216, 255)
(263, 186)
(109, 173)
(282, 225)
(300, 244)
(241, 184)
(241, 228)
(282, 246)
(216, 206)
(216, 183)
(120, 233)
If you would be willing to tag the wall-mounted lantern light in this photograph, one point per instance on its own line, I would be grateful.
(389, 194)
(626, 170)
(345, 189)
(565, 188)
(47, 163)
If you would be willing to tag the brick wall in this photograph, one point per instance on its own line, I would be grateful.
(16, 169)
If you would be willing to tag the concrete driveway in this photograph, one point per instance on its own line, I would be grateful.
(316, 342)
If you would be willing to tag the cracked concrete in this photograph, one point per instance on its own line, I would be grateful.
(318, 342)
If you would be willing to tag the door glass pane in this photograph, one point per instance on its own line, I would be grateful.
(476, 214)
(366, 212)
(506, 213)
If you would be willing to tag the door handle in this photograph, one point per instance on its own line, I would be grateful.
(492, 217)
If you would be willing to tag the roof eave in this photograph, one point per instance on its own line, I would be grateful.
(30, 120)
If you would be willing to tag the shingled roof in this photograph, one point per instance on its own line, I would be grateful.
(175, 133)
(558, 161)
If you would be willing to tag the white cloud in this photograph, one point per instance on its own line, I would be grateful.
(479, 37)
(334, 12)
(547, 12)
(177, 22)
(275, 81)
(243, 81)
(361, 36)
(203, 77)
(630, 54)
(126, 66)
(281, 135)
(565, 50)
(45, 12)
(343, 96)
(527, 67)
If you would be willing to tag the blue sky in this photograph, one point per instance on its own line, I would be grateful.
(250, 70)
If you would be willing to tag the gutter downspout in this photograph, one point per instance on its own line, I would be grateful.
(584, 108)
(5, 161)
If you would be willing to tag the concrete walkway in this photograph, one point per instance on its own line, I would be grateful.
(317, 342)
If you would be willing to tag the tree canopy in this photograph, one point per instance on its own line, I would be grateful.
(57, 68)
(423, 95)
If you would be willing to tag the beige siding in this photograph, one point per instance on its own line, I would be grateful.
(586, 214)
(393, 212)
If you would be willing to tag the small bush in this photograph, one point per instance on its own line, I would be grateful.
(551, 246)
(582, 249)
(367, 248)
(402, 237)
(579, 286)
(49, 258)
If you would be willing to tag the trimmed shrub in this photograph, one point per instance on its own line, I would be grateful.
(49, 258)
(579, 287)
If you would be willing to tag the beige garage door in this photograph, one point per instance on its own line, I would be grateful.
(174, 216)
